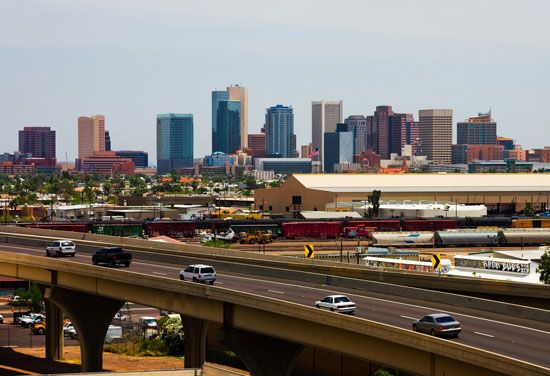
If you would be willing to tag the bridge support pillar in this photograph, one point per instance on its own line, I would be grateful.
(262, 355)
(54, 331)
(195, 341)
(91, 316)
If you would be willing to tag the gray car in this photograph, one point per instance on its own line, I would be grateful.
(438, 324)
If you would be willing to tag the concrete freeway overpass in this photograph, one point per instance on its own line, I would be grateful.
(244, 317)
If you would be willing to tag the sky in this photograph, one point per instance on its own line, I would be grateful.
(132, 59)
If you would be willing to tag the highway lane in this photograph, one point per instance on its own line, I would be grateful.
(527, 341)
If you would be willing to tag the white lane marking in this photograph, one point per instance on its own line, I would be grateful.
(324, 292)
(159, 273)
(276, 292)
(409, 317)
(484, 334)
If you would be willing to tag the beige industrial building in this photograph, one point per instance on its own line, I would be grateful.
(499, 192)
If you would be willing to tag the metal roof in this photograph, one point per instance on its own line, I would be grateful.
(341, 183)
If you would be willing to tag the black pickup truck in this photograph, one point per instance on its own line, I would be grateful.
(112, 256)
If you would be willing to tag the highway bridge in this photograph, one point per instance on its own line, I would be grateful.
(268, 319)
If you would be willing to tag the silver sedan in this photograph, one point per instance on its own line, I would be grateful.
(438, 324)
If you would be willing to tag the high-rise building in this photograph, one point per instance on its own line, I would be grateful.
(507, 142)
(140, 158)
(256, 145)
(412, 136)
(338, 147)
(240, 93)
(478, 130)
(217, 96)
(279, 132)
(174, 142)
(107, 141)
(305, 150)
(91, 135)
(378, 130)
(463, 153)
(436, 133)
(358, 125)
(229, 126)
(38, 141)
(324, 117)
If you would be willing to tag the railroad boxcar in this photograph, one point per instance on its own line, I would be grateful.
(418, 238)
(324, 229)
(519, 236)
(378, 224)
(74, 227)
(475, 222)
(122, 229)
(173, 229)
(466, 238)
(428, 224)
(531, 223)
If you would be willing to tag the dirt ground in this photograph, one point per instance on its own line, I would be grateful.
(27, 361)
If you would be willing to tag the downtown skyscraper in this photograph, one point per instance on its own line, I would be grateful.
(324, 117)
(228, 120)
(38, 141)
(436, 134)
(279, 132)
(174, 142)
(234, 93)
(91, 135)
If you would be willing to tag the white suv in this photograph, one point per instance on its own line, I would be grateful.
(199, 273)
(61, 248)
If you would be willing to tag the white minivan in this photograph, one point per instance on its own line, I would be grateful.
(61, 248)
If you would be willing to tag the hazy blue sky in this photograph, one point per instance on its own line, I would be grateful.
(132, 59)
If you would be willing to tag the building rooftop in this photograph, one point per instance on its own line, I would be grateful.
(425, 182)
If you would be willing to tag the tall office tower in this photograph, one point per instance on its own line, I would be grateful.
(478, 130)
(38, 141)
(279, 132)
(507, 142)
(324, 117)
(305, 150)
(412, 136)
(358, 125)
(436, 133)
(256, 145)
(174, 142)
(228, 138)
(338, 147)
(240, 93)
(91, 135)
(379, 131)
(217, 96)
(107, 141)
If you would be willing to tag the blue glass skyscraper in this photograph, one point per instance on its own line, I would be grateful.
(279, 132)
(228, 123)
(217, 96)
(174, 142)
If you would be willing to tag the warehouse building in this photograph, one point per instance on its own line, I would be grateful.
(501, 193)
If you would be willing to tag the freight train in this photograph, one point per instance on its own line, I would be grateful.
(295, 229)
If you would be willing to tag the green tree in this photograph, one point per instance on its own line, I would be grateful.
(374, 199)
(529, 211)
(172, 336)
(383, 372)
(544, 268)
(32, 295)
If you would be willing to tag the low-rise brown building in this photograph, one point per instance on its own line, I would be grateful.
(314, 191)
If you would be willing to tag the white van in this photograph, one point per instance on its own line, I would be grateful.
(61, 248)
(114, 332)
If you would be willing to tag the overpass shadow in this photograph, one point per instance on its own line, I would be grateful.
(22, 364)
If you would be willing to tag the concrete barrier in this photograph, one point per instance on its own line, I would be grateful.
(280, 267)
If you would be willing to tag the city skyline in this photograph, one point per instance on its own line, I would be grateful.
(129, 70)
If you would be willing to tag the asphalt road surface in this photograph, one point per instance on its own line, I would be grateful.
(511, 336)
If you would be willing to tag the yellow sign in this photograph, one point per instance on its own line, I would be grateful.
(436, 261)
(308, 251)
